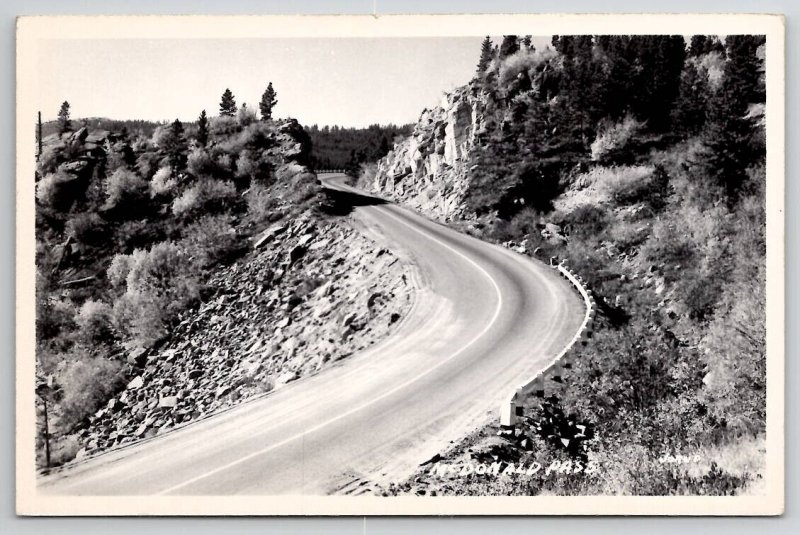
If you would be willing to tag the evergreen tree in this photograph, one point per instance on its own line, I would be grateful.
(64, 122)
(486, 55)
(202, 129)
(509, 46)
(527, 43)
(691, 107)
(227, 107)
(176, 147)
(729, 134)
(268, 101)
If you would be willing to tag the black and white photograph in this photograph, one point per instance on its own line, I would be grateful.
(400, 265)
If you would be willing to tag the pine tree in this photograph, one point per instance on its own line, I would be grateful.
(202, 129)
(227, 107)
(268, 101)
(64, 123)
(729, 134)
(486, 55)
(509, 46)
(528, 44)
(691, 107)
(176, 149)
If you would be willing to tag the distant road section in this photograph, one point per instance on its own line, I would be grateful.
(484, 318)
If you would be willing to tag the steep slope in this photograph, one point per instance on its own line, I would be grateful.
(428, 170)
(649, 182)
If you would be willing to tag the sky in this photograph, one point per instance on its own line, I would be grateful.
(325, 81)
(344, 81)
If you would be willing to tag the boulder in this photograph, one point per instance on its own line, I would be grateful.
(136, 383)
(137, 357)
(297, 252)
(169, 402)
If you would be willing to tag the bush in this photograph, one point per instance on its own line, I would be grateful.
(613, 137)
(147, 163)
(223, 126)
(523, 61)
(159, 284)
(62, 450)
(261, 204)
(163, 184)
(245, 116)
(199, 163)
(206, 196)
(87, 228)
(57, 190)
(212, 240)
(124, 186)
(50, 158)
(94, 320)
(86, 383)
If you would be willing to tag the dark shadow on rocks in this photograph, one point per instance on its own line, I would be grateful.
(338, 202)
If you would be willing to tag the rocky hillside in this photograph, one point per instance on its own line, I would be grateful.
(428, 170)
(309, 295)
(184, 268)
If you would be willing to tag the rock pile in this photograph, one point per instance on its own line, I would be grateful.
(310, 294)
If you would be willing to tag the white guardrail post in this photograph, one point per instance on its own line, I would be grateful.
(511, 407)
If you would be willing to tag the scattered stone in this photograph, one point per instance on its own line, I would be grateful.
(169, 402)
(137, 382)
(258, 330)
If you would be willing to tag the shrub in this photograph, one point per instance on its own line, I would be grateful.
(94, 320)
(223, 126)
(159, 283)
(147, 163)
(50, 158)
(207, 196)
(86, 382)
(62, 450)
(130, 235)
(119, 269)
(245, 116)
(212, 240)
(261, 204)
(523, 61)
(87, 228)
(124, 186)
(163, 183)
(613, 137)
(56, 190)
(299, 184)
(199, 163)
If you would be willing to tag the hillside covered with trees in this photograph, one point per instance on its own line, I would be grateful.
(336, 147)
(640, 161)
(131, 217)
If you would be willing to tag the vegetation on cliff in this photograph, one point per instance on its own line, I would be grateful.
(130, 218)
(639, 160)
(336, 147)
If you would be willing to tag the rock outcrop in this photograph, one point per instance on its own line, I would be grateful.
(427, 171)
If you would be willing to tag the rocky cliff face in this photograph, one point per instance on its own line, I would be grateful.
(427, 171)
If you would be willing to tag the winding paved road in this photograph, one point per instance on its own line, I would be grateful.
(484, 318)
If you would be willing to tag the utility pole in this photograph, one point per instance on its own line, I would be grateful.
(46, 436)
(39, 137)
(43, 390)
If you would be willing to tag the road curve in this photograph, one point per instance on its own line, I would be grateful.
(483, 319)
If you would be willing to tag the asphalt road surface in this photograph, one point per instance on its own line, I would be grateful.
(484, 319)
